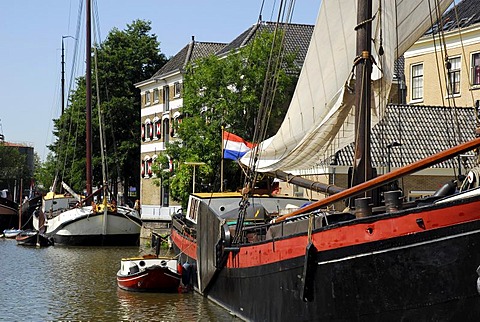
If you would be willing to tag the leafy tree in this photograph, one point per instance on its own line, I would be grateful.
(123, 59)
(225, 92)
(12, 166)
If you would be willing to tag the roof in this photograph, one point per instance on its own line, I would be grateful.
(468, 12)
(421, 130)
(297, 38)
(191, 52)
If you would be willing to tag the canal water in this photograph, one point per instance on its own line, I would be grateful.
(79, 283)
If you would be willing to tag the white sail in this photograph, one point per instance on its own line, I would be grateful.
(320, 119)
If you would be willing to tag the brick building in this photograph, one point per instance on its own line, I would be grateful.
(161, 101)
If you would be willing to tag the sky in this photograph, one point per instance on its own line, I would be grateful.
(31, 34)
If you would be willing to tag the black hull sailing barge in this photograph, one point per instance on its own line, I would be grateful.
(414, 261)
(417, 263)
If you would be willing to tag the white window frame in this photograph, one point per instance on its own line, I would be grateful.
(456, 72)
(148, 99)
(475, 70)
(166, 98)
(417, 97)
(177, 89)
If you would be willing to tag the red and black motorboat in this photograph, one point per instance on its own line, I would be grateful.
(148, 274)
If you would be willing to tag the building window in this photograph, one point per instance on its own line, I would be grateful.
(155, 95)
(177, 88)
(453, 86)
(148, 130)
(177, 119)
(147, 171)
(166, 128)
(166, 98)
(147, 98)
(476, 69)
(157, 126)
(417, 82)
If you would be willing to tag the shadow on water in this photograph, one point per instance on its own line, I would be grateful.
(79, 283)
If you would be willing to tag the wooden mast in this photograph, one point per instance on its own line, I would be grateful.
(88, 80)
(63, 77)
(362, 168)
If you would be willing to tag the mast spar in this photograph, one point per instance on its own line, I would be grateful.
(362, 167)
(88, 80)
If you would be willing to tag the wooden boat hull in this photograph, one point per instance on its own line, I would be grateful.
(8, 214)
(417, 264)
(33, 238)
(153, 275)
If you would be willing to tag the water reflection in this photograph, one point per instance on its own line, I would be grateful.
(79, 283)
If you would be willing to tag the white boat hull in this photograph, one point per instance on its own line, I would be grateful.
(82, 227)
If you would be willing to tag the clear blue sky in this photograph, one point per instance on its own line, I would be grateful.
(31, 33)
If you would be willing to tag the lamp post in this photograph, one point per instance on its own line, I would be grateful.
(194, 164)
(389, 152)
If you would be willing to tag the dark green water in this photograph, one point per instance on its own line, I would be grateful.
(79, 284)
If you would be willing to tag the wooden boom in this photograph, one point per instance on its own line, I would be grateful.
(378, 181)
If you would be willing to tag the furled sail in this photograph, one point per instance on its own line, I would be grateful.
(320, 118)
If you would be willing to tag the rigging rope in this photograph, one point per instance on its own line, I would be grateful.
(274, 63)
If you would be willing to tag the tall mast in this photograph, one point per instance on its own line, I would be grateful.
(362, 163)
(88, 79)
(63, 77)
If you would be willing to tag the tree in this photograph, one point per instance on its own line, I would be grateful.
(123, 59)
(225, 92)
(12, 166)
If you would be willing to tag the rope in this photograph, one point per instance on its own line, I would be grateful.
(365, 22)
(125, 215)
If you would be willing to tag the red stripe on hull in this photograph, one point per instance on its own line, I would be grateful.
(186, 246)
(350, 235)
(155, 279)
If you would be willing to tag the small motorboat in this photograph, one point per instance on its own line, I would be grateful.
(33, 238)
(11, 233)
(149, 273)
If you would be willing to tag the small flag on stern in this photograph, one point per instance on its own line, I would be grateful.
(234, 147)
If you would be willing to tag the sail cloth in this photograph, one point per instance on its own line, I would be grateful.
(320, 118)
(234, 147)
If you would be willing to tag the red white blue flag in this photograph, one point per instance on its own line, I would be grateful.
(234, 147)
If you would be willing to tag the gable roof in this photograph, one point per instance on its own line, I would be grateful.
(464, 14)
(297, 38)
(191, 52)
(421, 130)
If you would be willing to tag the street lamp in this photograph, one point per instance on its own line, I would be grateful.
(194, 166)
(389, 152)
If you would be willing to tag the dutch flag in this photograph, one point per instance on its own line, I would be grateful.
(234, 147)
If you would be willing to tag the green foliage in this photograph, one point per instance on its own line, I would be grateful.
(225, 92)
(12, 163)
(124, 58)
